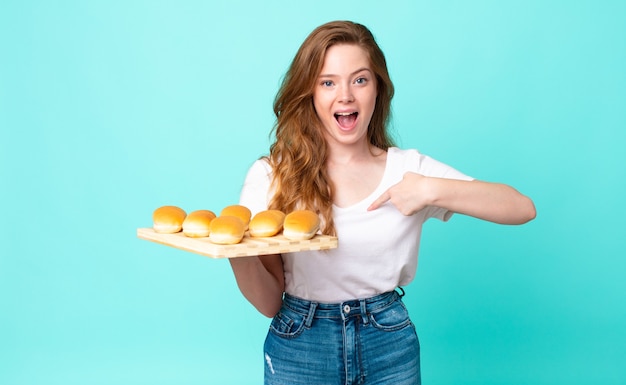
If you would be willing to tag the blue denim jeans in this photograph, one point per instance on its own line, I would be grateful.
(369, 341)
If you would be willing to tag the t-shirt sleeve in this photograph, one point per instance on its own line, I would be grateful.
(430, 167)
(255, 193)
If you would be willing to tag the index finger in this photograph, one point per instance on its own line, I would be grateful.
(384, 197)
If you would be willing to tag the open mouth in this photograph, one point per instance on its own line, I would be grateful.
(346, 119)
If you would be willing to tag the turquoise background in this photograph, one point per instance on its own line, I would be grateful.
(109, 109)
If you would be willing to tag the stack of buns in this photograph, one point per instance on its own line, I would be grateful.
(239, 211)
(227, 230)
(230, 227)
(233, 222)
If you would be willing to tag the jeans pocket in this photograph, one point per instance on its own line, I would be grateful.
(391, 318)
(287, 323)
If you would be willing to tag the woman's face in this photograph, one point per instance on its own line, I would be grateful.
(345, 94)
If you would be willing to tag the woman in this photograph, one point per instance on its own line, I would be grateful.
(337, 317)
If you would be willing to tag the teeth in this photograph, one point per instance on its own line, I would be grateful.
(344, 113)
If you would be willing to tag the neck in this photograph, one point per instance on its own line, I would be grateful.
(346, 154)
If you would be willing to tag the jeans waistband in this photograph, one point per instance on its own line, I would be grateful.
(341, 310)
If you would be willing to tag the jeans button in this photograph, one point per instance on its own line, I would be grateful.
(346, 308)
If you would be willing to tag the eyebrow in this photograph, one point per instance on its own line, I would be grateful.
(352, 74)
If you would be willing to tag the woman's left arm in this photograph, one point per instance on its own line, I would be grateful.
(494, 202)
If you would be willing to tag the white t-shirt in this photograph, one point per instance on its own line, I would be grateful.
(377, 249)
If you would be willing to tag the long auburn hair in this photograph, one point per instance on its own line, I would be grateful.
(299, 153)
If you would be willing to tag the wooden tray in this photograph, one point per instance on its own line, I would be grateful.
(249, 246)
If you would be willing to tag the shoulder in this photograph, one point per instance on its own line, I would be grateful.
(260, 169)
(415, 161)
(400, 153)
(256, 189)
(405, 158)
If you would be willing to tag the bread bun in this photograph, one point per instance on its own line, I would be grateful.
(266, 223)
(226, 230)
(301, 225)
(168, 219)
(197, 223)
(239, 211)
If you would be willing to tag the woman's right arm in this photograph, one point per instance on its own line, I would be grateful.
(261, 280)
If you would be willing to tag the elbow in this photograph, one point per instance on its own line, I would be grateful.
(528, 211)
(269, 314)
(518, 212)
(269, 310)
(268, 305)
(533, 212)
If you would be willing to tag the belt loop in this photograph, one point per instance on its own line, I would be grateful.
(309, 317)
(401, 292)
(364, 312)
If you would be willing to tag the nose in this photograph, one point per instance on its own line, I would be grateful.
(345, 94)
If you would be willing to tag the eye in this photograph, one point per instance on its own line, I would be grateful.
(326, 83)
(361, 80)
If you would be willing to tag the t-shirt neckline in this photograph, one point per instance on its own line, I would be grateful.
(377, 191)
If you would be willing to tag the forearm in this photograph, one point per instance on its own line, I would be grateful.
(261, 281)
(494, 202)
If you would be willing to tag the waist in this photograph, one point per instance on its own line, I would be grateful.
(341, 309)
